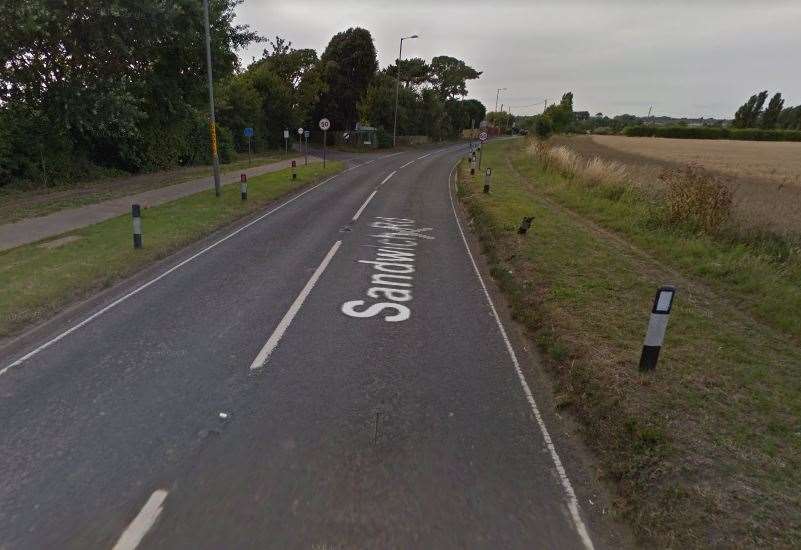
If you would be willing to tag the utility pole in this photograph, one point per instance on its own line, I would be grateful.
(497, 97)
(215, 161)
(397, 88)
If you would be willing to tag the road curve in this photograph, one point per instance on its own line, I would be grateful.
(332, 376)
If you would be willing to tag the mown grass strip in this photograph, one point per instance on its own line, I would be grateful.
(706, 450)
(36, 281)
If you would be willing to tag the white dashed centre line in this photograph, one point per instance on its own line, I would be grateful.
(142, 523)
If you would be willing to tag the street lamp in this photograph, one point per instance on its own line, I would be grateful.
(497, 97)
(397, 87)
(215, 161)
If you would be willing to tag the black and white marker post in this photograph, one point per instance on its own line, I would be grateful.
(487, 176)
(294, 171)
(243, 186)
(136, 214)
(657, 325)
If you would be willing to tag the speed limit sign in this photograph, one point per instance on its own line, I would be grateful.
(325, 124)
(482, 137)
(300, 131)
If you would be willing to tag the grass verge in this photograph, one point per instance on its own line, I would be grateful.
(20, 202)
(706, 450)
(35, 281)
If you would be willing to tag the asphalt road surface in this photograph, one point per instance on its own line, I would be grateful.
(331, 375)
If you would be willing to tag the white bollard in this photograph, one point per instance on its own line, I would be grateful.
(657, 325)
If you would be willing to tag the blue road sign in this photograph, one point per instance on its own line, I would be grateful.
(306, 134)
(248, 132)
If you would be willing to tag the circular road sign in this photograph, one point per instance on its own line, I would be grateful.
(482, 136)
(325, 124)
(300, 131)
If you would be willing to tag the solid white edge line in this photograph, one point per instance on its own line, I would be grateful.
(139, 289)
(572, 503)
(386, 179)
(363, 206)
(142, 523)
(407, 164)
(283, 324)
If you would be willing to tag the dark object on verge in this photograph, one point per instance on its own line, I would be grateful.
(525, 224)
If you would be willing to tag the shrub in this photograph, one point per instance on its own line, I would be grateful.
(543, 127)
(696, 197)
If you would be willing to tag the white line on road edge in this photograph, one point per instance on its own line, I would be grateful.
(363, 206)
(426, 155)
(279, 331)
(572, 501)
(142, 523)
(407, 164)
(139, 289)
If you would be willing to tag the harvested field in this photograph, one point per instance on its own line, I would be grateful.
(764, 177)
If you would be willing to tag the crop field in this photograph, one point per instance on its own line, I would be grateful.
(764, 177)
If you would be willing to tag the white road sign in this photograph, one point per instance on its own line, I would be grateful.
(300, 131)
(286, 134)
(482, 137)
(325, 124)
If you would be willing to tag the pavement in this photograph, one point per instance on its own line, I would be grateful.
(31, 230)
(330, 374)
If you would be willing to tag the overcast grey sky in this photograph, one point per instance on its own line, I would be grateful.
(687, 58)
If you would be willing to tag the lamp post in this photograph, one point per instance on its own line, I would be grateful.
(397, 87)
(497, 97)
(215, 161)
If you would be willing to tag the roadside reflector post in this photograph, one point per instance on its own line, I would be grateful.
(487, 176)
(657, 325)
(136, 214)
(473, 167)
(294, 171)
(243, 186)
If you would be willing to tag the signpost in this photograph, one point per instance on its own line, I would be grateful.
(306, 150)
(482, 137)
(249, 134)
(325, 124)
(300, 139)
(286, 142)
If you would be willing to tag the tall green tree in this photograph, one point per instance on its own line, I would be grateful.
(413, 71)
(348, 66)
(450, 75)
(747, 116)
(771, 115)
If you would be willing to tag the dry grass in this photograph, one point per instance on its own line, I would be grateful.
(695, 196)
(777, 162)
(764, 177)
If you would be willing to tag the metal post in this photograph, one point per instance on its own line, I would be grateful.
(325, 142)
(306, 150)
(397, 88)
(212, 123)
(250, 156)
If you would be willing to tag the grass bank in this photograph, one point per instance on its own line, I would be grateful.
(706, 450)
(36, 281)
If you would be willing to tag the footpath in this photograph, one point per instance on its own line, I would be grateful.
(31, 230)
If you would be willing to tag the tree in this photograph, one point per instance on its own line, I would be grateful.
(747, 115)
(771, 115)
(543, 127)
(348, 66)
(413, 72)
(790, 118)
(561, 114)
(449, 76)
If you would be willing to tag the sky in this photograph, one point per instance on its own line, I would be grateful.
(683, 57)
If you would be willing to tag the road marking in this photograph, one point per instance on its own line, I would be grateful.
(279, 331)
(407, 164)
(426, 155)
(364, 205)
(142, 523)
(572, 501)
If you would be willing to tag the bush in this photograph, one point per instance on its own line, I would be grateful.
(543, 127)
(383, 138)
(712, 132)
(696, 197)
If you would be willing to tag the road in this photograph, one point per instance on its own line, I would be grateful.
(330, 375)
